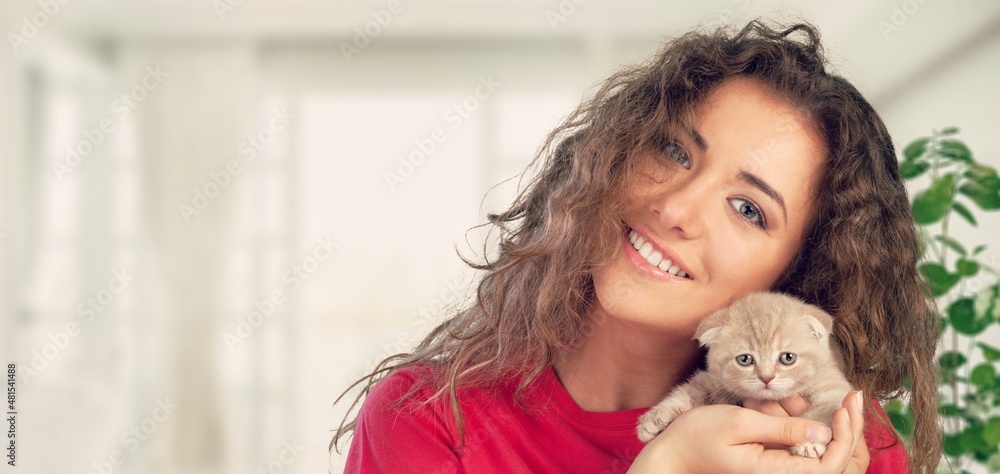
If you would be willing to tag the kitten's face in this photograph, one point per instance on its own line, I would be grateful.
(767, 350)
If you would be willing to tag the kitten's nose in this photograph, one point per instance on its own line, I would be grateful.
(766, 379)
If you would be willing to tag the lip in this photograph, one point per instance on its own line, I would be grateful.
(644, 266)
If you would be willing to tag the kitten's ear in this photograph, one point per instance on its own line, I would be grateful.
(820, 322)
(710, 327)
(818, 330)
(707, 336)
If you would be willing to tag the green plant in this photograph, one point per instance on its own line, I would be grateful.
(967, 292)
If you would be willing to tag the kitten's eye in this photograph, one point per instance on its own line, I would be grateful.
(787, 358)
(677, 154)
(744, 360)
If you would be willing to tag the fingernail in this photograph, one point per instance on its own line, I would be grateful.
(860, 401)
(818, 434)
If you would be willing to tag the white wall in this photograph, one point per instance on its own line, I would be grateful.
(393, 268)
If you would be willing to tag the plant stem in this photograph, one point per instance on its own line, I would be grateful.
(968, 369)
(935, 166)
(943, 259)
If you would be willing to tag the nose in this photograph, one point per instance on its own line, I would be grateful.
(766, 379)
(682, 207)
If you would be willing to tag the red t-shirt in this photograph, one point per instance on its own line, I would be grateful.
(550, 433)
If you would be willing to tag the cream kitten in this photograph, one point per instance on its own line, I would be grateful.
(765, 346)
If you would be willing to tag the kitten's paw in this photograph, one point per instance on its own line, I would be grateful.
(809, 450)
(657, 418)
(650, 425)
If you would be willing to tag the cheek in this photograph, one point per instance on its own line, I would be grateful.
(748, 264)
(740, 374)
(611, 288)
(802, 370)
(723, 364)
(622, 293)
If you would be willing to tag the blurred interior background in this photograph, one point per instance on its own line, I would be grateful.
(216, 214)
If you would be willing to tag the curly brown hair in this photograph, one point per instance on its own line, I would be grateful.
(858, 259)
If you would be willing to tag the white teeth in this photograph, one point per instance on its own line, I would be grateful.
(645, 250)
(654, 257)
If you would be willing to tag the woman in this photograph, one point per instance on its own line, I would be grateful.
(745, 166)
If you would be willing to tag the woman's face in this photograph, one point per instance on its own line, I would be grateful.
(727, 204)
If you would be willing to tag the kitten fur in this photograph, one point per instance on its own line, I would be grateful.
(765, 326)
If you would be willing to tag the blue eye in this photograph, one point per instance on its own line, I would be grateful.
(744, 359)
(678, 155)
(748, 211)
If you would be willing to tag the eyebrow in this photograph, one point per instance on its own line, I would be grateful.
(746, 176)
(698, 140)
(758, 183)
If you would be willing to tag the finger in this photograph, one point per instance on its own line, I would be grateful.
(838, 452)
(766, 407)
(795, 406)
(855, 408)
(792, 406)
(770, 408)
(761, 428)
(861, 456)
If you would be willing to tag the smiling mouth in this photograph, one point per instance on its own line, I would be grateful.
(654, 257)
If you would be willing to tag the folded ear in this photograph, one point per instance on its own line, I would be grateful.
(818, 331)
(711, 327)
(819, 322)
(706, 337)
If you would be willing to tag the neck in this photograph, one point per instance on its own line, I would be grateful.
(620, 365)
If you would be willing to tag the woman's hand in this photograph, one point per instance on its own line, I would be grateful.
(726, 438)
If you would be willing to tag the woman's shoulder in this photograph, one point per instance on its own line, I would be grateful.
(424, 389)
(415, 382)
(400, 427)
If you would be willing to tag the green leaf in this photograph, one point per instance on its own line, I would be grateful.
(982, 376)
(990, 183)
(963, 318)
(984, 176)
(967, 268)
(952, 243)
(986, 199)
(932, 204)
(984, 453)
(952, 444)
(991, 432)
(947, 131)
(915, 149)
(902, 420)
(950, 410)
(964, 212)
(955, 150)
(939, 279)
(912, 169)
(924, 239)
(990, 353)
(951, 360)
(979, 248)
(972, 437)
